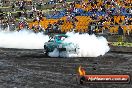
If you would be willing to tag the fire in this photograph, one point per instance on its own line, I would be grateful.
(82, 72)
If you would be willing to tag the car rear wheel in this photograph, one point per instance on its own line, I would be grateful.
(46, 50)
(46, 53)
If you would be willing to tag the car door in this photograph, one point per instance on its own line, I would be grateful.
(55, 42)
(50, 44)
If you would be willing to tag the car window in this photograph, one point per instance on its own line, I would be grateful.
(52, 39)
(61, 38)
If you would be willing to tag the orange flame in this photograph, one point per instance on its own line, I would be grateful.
(82, 72)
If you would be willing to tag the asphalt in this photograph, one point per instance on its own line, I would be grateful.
(21, 68)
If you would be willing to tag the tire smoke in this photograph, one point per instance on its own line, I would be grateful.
(89, 46)
(23, 39)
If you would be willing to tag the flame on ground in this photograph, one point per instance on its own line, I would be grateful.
(82, 72)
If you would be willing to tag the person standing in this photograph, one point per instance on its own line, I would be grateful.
(120, 31)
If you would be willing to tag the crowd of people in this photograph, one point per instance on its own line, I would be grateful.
(101, 11)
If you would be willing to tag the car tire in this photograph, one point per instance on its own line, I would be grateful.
(46, 50)
(46, 53)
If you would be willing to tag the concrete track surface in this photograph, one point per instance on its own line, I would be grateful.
(31, 69)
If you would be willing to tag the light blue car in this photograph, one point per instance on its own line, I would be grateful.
(57, 42)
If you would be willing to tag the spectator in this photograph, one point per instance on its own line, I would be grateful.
(120, 31)
(49, 28)
(13, 7)
(55, 27)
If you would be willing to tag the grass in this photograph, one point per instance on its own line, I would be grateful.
(126, 44)
(5, 7)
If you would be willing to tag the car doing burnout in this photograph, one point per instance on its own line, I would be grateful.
(57, 42)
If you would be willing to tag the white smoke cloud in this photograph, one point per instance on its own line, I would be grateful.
(89, 46)
(23, 39)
